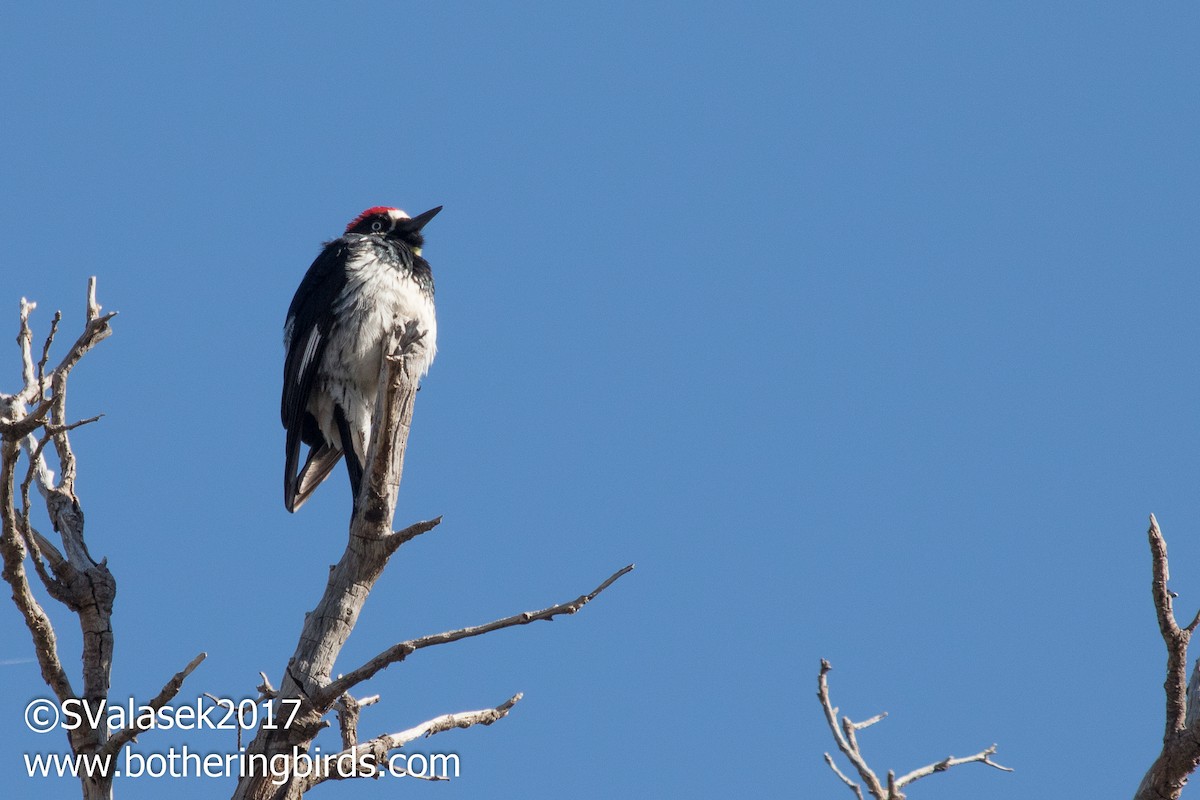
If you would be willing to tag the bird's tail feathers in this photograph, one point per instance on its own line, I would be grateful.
(321, 461)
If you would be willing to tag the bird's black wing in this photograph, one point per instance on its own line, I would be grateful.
(309, 320)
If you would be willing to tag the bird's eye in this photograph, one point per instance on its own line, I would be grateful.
(377, 225)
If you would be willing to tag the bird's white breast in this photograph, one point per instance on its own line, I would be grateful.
(377, 300)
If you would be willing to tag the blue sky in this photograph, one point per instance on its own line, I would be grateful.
(866, 330)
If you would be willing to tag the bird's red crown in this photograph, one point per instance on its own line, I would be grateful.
(370, 212)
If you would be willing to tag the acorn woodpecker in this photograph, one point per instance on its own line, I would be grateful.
(363, 286)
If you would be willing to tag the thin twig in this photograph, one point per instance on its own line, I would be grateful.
(854, 787)
(25, 342)
(411, 532)
(41, 367)
(31, 542)
(847, 742)
(145, 721)
(858, 726)
(93, 308)
(851, 752)
(984, 757)
(265, 690)
(399, 652)
(378, 747)
(47, 548)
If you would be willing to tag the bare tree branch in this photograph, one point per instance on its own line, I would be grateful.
(375, 751)
(412, 532)
(48, 549)
(41, 367)
(854, 787)
(37, 468)
(25, 342)
(79, 582)
(399, 652)
(984, 757)
(97, 330)
(27, 423)
(35, 418)
(858, 726)
(1180, 754)
(371, 543)
(448, 722)
(265, 690)
(144, 722)
(348, 710)
(847, 742)
(34, 542)
(1175, 638)
(45, 643)
(849, 750)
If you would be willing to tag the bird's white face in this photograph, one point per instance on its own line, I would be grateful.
(392, 222)
(398, 214)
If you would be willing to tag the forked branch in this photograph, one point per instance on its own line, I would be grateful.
(847, 743)
(308, 678)
(33, 419)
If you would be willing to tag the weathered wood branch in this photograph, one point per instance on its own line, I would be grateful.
(1180, 754)
(854, 787)
(982, 757)
(372, 541)
(373, 754)
(865, 773)
(32, 419)
(143, 722)
(847, 743)
(398, 652)
(12, 548)
(308, 678)
(348, 709)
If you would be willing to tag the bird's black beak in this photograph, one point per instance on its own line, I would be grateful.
(420, 220)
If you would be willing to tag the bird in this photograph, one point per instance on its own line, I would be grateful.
(363, 286)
